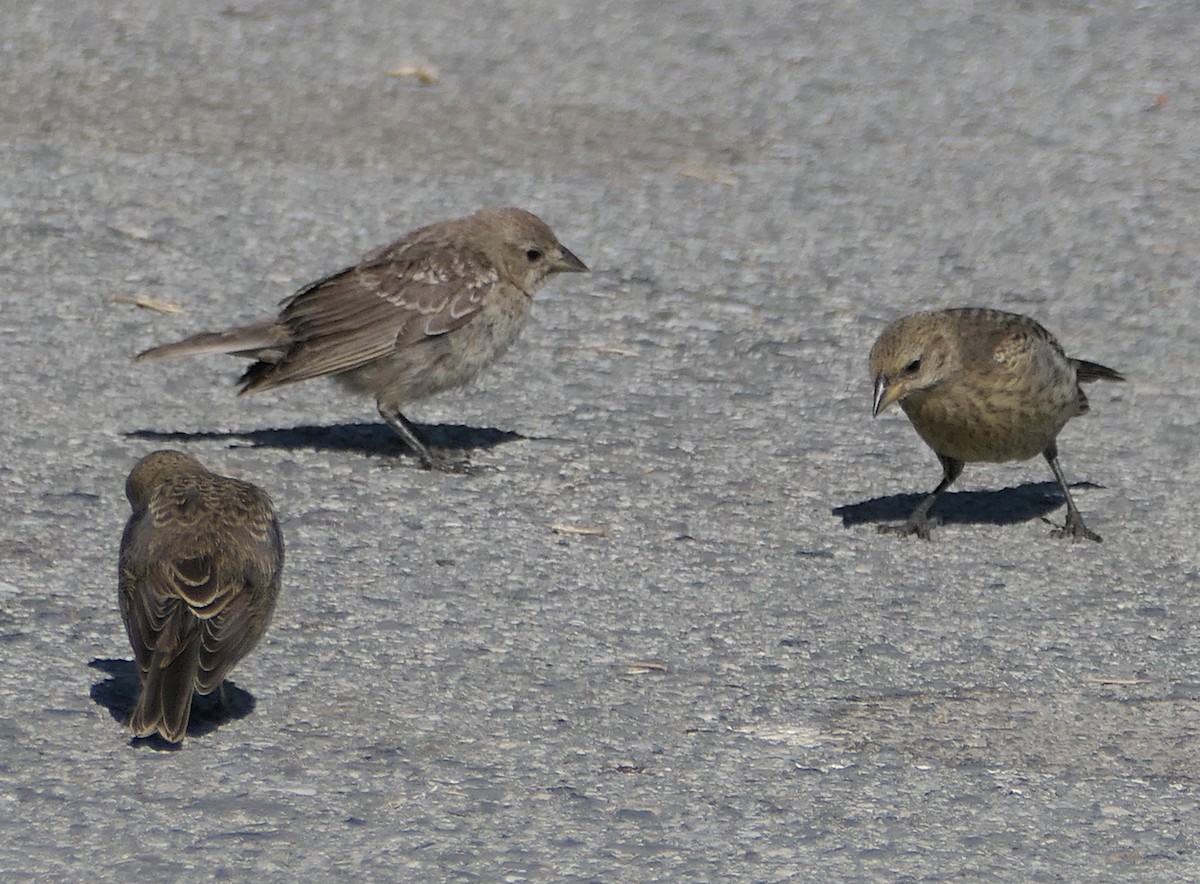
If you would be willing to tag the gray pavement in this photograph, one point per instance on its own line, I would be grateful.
(738, 679)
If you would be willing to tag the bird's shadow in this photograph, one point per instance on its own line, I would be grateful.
(1007, 506)
(363, 438)
(119, 693)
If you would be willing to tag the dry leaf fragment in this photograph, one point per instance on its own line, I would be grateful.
(167, 308)
(587, 530)
(705, 172)
(423, 72)
(641, 667)
(601, 348)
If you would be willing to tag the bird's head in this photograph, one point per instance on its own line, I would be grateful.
(526, 248)
(912, 355)
(150, 472)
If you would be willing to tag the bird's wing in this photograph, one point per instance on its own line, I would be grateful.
(397, 297)
(152, 614)
(254, 573)
(1012, 341)
(150, 607)
(232, 632)
(230, 635)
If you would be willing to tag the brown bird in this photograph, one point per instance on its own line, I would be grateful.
(982, 385)
(200, 567)
(411, 319)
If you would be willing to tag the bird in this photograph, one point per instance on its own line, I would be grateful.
(982, 385)
(199, 575)
(424, 314)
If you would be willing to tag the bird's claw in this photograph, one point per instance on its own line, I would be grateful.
(1074, 530)
(919, 527)
(459, 466)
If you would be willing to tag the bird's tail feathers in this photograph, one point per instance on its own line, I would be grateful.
(165, 703)
(262, 340)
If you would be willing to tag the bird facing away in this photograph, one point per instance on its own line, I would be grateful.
(422, 315)
(200, 567)
(982, 385)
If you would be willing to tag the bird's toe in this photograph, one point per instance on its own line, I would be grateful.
(919, 527)
(1075, 530)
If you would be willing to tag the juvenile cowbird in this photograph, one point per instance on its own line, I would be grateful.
(982, 385)
(411, 319)
(200, 567)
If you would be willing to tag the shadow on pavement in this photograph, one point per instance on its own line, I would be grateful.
(1007, 506)
(119, 692)
(365, 438)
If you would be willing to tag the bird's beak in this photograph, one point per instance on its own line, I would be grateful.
(886, 394)
(568, 263)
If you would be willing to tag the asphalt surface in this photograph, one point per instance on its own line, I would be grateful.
(728, 675)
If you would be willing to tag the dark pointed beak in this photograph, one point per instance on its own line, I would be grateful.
(568, 263)
(885, 395)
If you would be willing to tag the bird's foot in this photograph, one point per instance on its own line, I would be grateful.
(457, 464)
(920, 527)
(430, 459)
(1074, 530)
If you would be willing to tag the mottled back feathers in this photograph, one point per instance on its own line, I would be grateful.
(200, 566)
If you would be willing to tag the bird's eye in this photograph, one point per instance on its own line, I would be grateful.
(533, 255)
(913, 367)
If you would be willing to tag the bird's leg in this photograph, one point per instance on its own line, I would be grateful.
(212, 707)
(430, 460)
(1074, 529)
(918, 522)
